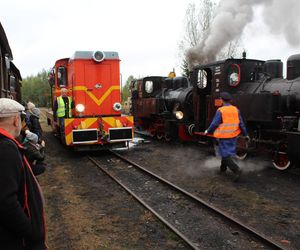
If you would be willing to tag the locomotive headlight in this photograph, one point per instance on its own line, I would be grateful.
(117, 106)
(98, 56)
(79, 108)
(179, 115)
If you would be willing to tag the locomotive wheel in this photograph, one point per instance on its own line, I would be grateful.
(159, 136)
(241, 156)
(242, 148)
(281, 161)
(167, 137)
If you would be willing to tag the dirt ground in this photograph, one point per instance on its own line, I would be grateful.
(264, 198)
(87, 210)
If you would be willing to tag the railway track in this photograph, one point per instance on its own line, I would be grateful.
(192, 219)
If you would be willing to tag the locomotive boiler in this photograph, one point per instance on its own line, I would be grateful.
(162, 106)
(269, 104)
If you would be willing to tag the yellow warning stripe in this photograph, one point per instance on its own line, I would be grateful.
(112, 120)
(69, 139)
(68, 121)
(94, 98)
(109, 120)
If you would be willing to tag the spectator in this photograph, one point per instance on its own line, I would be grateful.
(21, 203)
(34, 122)
(34, 152)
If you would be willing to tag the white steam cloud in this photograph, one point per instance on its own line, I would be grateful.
(232, 16)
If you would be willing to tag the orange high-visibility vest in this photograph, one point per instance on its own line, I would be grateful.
(229, 127)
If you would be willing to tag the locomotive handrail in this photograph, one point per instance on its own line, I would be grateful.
(204, 134)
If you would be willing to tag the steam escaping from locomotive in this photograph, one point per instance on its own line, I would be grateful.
(231, 18)
(283, 17)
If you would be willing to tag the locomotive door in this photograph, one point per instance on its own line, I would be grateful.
(204, 86)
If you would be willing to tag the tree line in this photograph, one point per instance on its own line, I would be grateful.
(37, 90)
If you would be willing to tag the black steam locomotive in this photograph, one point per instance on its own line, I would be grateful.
(269, 104)
(10, 77)
(162, 106)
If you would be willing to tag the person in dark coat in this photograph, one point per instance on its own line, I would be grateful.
(34, 152)
(22, 224)
(226, 125)
(29, 106)
(34, 122)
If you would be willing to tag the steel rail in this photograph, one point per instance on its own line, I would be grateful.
(170, 226)
(264, 239)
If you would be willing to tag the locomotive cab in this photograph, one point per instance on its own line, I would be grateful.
(231, 75)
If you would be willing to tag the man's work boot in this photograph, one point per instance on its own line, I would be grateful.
(221, 172)
(237, 175)
(223, 167)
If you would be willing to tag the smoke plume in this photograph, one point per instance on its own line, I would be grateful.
(231, 18)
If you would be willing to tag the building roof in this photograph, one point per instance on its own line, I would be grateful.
(4, 43)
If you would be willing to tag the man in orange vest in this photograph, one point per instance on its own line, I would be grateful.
(227, 124)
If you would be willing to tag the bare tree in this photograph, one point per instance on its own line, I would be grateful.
(233, 49)
(198, 19)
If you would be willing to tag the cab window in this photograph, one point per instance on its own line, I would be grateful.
(202, 79)
(149, 87)
(234, 75)
(61, 76)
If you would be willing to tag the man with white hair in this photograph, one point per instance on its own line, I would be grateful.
(21, 202)
(63, 105)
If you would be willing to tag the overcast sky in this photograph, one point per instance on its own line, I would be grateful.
(146, 34)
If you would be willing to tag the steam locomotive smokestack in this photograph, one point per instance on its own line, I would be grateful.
(231, 18)
(244, 55)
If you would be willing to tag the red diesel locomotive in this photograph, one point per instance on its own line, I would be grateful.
(92, 79)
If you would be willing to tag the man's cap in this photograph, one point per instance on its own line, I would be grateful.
(225, 96)
(36, 112)
(31, 136)
(9, 107)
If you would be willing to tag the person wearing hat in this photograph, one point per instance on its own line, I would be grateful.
(28, 106)
(226, 125)
(22, 223)
(35, 152)
(34, 122)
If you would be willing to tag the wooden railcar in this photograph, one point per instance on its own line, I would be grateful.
(10, 77)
